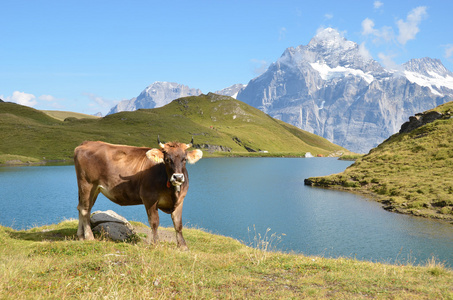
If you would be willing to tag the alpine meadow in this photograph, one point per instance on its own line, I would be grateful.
(220, 125)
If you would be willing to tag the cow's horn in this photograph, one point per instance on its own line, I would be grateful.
(160, 144)
(190, 144)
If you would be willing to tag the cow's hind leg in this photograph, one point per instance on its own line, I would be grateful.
(87, 196)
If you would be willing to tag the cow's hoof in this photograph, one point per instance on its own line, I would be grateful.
(88, 238)
(184, 248)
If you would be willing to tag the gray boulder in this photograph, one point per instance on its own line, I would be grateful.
(419, 120)
(112, 224)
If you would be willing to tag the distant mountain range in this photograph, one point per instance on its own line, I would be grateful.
(332, 88)
(155, 95)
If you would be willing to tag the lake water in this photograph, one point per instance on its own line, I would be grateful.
(243, 197)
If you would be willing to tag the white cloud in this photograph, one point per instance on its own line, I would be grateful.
(32, 101)
(23, 98)
(364, 51)
(282, 34)
(377, 4)
(408, 29)
(368, 27)
(100, 103)
(47, 98)
(448, 51)
(388, 63)
(328, 16)
(260, 66)
(384, 34)
(50, 101)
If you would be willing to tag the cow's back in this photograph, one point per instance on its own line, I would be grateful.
(101, 161)
(122, 173)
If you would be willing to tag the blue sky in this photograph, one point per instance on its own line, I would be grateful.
(86, 56)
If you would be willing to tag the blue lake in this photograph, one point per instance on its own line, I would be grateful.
(243, 197)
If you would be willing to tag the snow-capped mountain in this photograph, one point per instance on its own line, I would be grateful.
(430, 73)
(333, 88)
(231, 91)
(155, 95)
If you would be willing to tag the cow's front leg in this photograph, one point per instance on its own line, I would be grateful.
(176, 216)
(153, 219)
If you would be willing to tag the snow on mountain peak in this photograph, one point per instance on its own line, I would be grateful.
(429, 72)
(327, 73)
(231, 91)
(426, 66)
(330, 39)
(331, 56)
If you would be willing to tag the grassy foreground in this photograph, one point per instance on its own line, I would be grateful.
(410, 173)
(48, 263)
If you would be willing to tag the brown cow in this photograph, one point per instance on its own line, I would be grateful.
(130, 175)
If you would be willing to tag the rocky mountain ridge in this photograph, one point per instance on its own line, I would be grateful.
(422, 119)
(332, 88)
(155, 95)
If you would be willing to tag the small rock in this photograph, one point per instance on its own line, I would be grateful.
(113, 225)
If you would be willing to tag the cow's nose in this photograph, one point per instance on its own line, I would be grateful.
(178, 178)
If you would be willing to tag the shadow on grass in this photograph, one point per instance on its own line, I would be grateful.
(67, 231)
(45, 235)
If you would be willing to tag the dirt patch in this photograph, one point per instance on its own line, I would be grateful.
(165, 235)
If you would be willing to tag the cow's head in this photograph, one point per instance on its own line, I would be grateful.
(174, 155)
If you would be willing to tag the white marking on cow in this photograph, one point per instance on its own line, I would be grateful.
(106, 192)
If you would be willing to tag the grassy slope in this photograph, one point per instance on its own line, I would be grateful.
(211, 119)
(62, 115)
(47, 263)
(410, 173)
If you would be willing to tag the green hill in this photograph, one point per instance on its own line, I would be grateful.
(220, 125)
(411, 172)
(62, 115)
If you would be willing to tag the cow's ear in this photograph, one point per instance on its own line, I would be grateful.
(155, 155)
(194, 156)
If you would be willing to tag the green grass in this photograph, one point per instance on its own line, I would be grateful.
(210, 119)
(409, 173)
(62, 115)
(48, 263)
(351, 157)
(12, 159)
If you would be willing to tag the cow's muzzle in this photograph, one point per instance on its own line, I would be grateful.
(177, 179)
